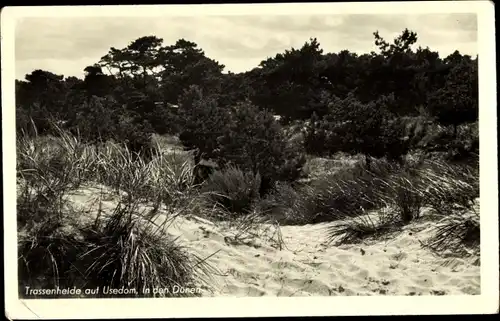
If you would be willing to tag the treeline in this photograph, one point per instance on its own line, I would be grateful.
(381, 104)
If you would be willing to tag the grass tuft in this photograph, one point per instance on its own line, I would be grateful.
(232, 189)
(62, 247)
(368, 225)
(457, 234)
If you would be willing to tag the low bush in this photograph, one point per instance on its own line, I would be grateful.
(232, 189)
(284, 204)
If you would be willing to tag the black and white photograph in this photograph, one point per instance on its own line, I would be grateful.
(277, 153)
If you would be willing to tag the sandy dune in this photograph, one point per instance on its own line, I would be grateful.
(310, 267)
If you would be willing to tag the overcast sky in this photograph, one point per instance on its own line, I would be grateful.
(67, 45)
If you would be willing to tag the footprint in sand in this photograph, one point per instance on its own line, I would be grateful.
(343, 257)
(441, 277)
(285, 265)
(245, 290)
(383, 274)
(424, 280)
(414, 290)
(470, 290)
(472, 278)
(438, 292)
(362, 274)
(398, 257)
(353, 267)
(338, 265)
(454, 282)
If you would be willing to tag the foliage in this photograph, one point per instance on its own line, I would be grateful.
(203, 122)
(457, 101)
(355, 127)
(232, 189)
(255, 142)
(352, 102)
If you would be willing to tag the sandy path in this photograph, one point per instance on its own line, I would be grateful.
(309, 267)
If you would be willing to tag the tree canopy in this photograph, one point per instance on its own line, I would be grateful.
(348, 102)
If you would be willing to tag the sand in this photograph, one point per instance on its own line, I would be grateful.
(308, 266)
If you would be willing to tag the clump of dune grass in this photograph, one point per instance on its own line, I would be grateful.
(125, 250)
(61, 162)
(232, 189)
(47, 168)
(62, 247)
(359, 228)
(119, 250)
(47, 237)
(284, 204)
(122, 170)
(451, 192)
(48, 249)
(171, 179)
(404, 195)
(348, 192)
(63, 158)
(456, 234)
(449, 188)
(163, 179)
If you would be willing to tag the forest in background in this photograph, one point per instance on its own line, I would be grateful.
(377, 104)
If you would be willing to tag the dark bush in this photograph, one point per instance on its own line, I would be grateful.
(233, 189)
(255, 142)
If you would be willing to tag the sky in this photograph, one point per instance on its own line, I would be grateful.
(240, 42)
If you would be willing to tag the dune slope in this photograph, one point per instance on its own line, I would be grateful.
(308, 266)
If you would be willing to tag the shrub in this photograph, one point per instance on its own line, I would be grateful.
(95, 119)
(355, 127)
(232, 189)
(462, 146)
(255, 142)
(315, 137)
(202, 122)
(284, 204)
(242, 136)
(457, 101)
(202, 171)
